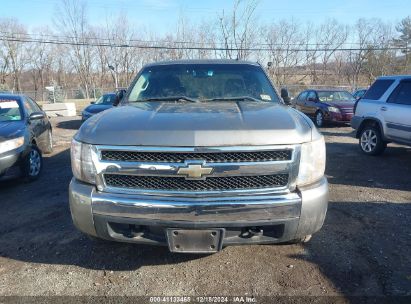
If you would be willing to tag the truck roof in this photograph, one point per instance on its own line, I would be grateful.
(202, 61)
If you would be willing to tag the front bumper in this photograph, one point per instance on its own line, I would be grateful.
(338, 117)
(144, 219)
(10, 163)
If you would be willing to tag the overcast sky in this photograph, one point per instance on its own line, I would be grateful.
(161, 15)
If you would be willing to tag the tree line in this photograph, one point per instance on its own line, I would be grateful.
(75, 54)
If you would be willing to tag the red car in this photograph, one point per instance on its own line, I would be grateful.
(326, 106)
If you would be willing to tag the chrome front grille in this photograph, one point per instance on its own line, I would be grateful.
(183, 171)
(210, 157)
(165, 183)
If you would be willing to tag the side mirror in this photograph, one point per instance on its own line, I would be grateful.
(36, 116)
(311, 99)
(93, 102)
(119, 96)
(285, 95)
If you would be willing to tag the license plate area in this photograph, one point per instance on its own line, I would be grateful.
(195, 241)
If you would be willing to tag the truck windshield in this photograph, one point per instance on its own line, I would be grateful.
(9, 110)
(203, 82)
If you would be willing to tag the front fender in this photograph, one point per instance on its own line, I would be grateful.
(360, 122)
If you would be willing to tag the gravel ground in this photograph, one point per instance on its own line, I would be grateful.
(362, 250)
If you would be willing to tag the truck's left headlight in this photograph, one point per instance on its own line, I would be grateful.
(82, 163)
(11, 144)
(312, 162)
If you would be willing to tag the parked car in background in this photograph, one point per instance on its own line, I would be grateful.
(199, 154)
(326, 106)
(103, 103)
(25, 133)
(359, 93)
(383, 115)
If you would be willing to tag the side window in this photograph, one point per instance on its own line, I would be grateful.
(302, 96)
(33, 105)
(378, 88)
(358, 94)
(109, 99)
(402, 94)
(27, 107)
(312, 95)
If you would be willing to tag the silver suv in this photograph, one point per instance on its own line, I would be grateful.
(383, 115)
(199, 155)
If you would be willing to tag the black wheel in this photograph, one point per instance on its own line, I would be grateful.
(371, 142)
(49, 147)
(319, 119)
(32, 164)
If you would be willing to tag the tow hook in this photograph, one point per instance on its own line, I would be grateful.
(252, 231)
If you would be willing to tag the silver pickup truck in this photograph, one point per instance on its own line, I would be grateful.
(199, 155)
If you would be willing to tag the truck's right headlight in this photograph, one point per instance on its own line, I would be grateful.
(81, 162)
(312, 162)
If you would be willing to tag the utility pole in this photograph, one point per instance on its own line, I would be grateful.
(114, 73)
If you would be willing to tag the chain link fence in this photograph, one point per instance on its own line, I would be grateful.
(46, 96)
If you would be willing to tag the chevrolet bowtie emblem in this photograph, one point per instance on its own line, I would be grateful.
(194, 171)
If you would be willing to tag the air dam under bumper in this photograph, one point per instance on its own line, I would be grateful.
(245, 219)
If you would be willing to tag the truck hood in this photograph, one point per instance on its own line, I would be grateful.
(197, 125)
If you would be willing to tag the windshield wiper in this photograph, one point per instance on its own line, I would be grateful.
(169, 98)
(237, 98)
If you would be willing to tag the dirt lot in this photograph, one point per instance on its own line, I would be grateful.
(363, 249)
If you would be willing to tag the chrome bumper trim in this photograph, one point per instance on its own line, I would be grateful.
(308, 207)
(175, 211)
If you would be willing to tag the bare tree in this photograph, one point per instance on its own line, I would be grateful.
(307, 54)
(124, 60)
(284, 40)
(237, 30)
(380, 62)
(4, 66)
(330, 36)
(404, 40)
(101, 53)
(41, 60)
(71, 20)
(206, 37)
(368, 34)
(17, 53)
(311, 53)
